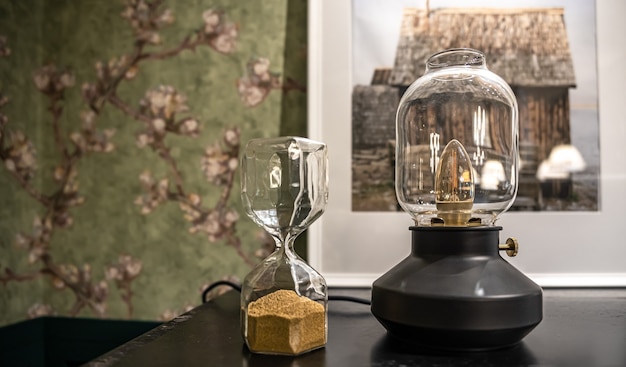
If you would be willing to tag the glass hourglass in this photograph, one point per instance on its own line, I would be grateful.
(284, 188)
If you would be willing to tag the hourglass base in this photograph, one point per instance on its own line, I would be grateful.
(455, 292)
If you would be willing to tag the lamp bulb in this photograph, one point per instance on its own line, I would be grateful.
(454, 185)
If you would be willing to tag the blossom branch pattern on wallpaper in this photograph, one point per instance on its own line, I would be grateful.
(162, 112)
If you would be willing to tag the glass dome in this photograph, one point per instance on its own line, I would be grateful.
(457, 138)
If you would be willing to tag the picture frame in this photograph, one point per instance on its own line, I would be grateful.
(557, 249)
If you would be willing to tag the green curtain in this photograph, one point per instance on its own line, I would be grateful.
(121, 124)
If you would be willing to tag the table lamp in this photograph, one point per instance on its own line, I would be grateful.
(457, 162)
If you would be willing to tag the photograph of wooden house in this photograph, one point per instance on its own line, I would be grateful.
(544, 50)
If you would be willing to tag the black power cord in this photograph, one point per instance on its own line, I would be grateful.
(362, 301)
(237, 287)
(212, 286)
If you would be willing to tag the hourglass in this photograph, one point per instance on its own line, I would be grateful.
(284, 188)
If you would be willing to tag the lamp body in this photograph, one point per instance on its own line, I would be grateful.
(455, 292)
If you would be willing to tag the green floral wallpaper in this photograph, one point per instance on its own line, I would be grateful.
(121, 124)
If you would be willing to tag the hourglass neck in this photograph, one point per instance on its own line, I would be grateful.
(286, 242)
(459, 57)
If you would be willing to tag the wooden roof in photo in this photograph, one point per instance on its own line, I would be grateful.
(527, 47)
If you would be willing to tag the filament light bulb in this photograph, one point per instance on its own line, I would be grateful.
(454, 185)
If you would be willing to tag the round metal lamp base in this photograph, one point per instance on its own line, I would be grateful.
(456, 340)
(455, 292)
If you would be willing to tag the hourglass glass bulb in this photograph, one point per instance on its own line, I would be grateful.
(454, 185)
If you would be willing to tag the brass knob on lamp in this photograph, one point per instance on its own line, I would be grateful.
(511, 247)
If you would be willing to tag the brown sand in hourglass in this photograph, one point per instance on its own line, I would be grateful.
(284, 323)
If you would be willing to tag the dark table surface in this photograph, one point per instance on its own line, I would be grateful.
(581, 327)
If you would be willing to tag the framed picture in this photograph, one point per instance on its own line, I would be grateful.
(557, 248)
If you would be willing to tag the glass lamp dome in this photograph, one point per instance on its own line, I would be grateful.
(457, 138)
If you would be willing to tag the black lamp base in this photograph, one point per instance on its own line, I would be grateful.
(455, 292)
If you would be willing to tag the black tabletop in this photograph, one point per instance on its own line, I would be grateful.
(580, 328)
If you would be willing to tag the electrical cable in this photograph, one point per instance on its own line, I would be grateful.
(237, 287)
(362, 301)
(212, 286)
